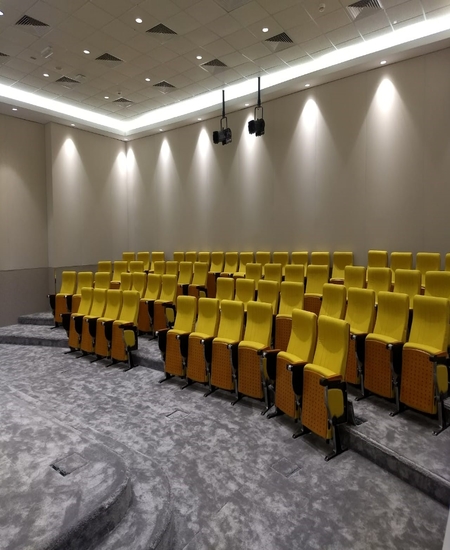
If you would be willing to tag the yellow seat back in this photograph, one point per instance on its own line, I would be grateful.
(186, 313)
(102, 279)
(130, 306)
(159, 268)
(437, 284)
(68, 282)
(224, 289)
(87, 294)
(259, 323)
(253, 271)
(281, 258)
(136, 265)
(144, 257)
(301, 258)
(273, 272)
(178, 257)
(262, 257)
(98, 302)
(291, 297)
(185, 273)
(317, 277)
(392, 315)
(156, 257)
(153, 289)
(354, 276)
(200, 274)
(105, 266)
(128, 257)
(360, 313)
(379, 279)
(168, 288)
(400, 260)
(85, 278)
(231, 262)
(231, 323)
(333, 337)
(408, 281)
(320, 258)
(190, 256)
(244, 259)
(269, 292)
(377, 258)
(139, 282)
(430, 325)
(208, 316)
(172, 267)
(302, 341)
(294, 273)
(245, 291)
(204, 257)
(340, 261)
(113, 304)
(126, 280)
(119, 267)
(217, 259)
(428, 261)
(333, 301)
(447, 261)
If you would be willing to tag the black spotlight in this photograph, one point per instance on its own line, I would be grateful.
(223, 136)
(257, 126)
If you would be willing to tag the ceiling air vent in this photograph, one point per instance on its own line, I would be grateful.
(164, 87)
(123, 100)
(214, 66)
(67, 82)
(33, 25)
(162, 33)
(3, 58)
(363, 8)
(231, 5)
(109, 60)
(279, 42)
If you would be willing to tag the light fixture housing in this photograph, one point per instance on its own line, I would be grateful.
(257, 126)
(223, 135)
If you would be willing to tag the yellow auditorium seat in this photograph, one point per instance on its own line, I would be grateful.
(424, 381)
(184, 277)
(360, 316)
(231, 326)
(231, 264)
(144, 257)
(408, 281)
(128, 257)
(120, 267)
(382, 361)
(103, 331)
(377, 258)
(437, 284)
(190, 256)
(248, 362)
(320, 258)
(197, 287)
(200, 341)
(294, 273)
(224, 289)
(139, 282)
(262, 257)
(447, 262)
(84, 279)
(379, 279)
(102, 279)
(173, 342)
(291, 297)
(89, 330)
(301, 258)
(60, 303)
(171, 268)
(269, 293)
(126, 280)
(167, 297)
(400, 260)
(273, 272)
(146, 305)
(334, 301)
(244, 259)
(245, 291)
(354, 276)
(136, 266)
(75, 320)
(281, 258)
(205, 258)
(427, 261)
(324, 393)
(215, 269)
(178, 257)
(105, 266)
(340, 261)
(317, 277)
(159, 268)
(254, 271)
(156, 257)
(285, 368)
(121, 347)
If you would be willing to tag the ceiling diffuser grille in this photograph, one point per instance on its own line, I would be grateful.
(3, 54)
(122, 100)
(363, 8)
(279, 42)
(67, 79)
(214, 66)
(164, 87)
(30, 21)
(3, 58)
(109, 60)
(161, 29)
(231, 5)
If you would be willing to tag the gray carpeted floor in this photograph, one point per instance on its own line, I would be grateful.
(238, 480)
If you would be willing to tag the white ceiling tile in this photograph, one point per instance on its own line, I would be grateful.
(353, 42)
(25, 87)
(291, 54)
(20, 65)
(93, 102)
(181, 45)
(442, 12)
(12, 74)
(21, 5)
(304, 33)
(185, 4)
(197, 74)
(206, 11)
(33, 81)
(234, 59)
(219, 47)
(225, 25)
(93, 15)
(227, 77)
(128, 69)
(343, 34)
(317, 45)
(10, 16)
(269, 23)
(249, 13)
(201, 36)
(248, 69)
(372, 23)
(194, 89)
(162, 72)
(113, 7)
(119, 30)
(292, 17)
(408, 22)
(270, 61)
(46, 13)
(431, 5)
(145, 42)
(77, 28)
(163, 54)
(334, 20)
(9, 48)
(161, 9)
(378, 33)
(405, 11)
(6, 81)
(256, 51)
(212, 83)
(182, 23)
(151, 104)
(274, 7)
(180, 64)
(241, 39)
(124, 52)
(180, 81)
(18, 37)
(312, 7)
(386, 3)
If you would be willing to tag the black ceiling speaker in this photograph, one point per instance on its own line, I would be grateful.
(222, 136)
(257, 126)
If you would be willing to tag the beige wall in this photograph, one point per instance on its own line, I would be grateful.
(363, 162)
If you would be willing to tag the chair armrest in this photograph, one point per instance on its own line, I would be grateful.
(333, 384)
(92, 322)
(107, 325)
(162, 339)
(233, 348)
(207, 348)
(183, 339)
(395, 345)
(440, 359)
(65, 318)
(126, 325)
(271, 357)
(297, 376)
(357, 337)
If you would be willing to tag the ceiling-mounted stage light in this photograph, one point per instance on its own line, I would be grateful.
(223, 136)
(257, 126)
